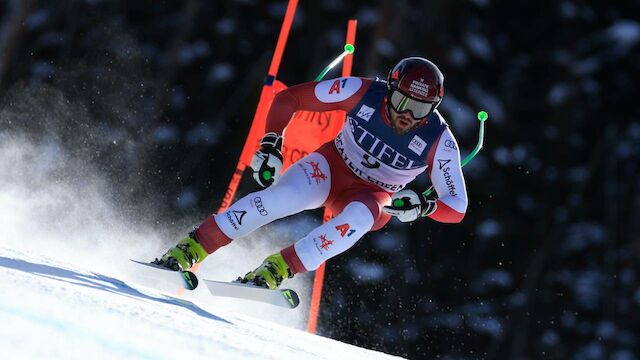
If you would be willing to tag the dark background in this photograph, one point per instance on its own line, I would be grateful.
(160, 95)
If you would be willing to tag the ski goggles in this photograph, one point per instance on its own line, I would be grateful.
(401, 103)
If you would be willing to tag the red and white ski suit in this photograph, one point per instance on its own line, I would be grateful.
(354, 175)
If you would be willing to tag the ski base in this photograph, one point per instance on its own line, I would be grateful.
(286, 298)
(184, 279)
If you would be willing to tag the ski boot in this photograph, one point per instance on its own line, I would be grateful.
(184, 255)
(270, 274)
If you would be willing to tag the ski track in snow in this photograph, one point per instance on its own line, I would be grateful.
(50, 309)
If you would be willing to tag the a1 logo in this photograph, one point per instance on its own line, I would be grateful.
(345, 229)
(336, 90)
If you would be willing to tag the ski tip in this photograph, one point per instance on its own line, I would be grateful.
(190, 280)
(292, 297)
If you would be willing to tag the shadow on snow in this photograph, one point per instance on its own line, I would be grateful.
(99, 282)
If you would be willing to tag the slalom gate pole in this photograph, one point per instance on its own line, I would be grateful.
(257, 125)
(482, 117)
(318, 279)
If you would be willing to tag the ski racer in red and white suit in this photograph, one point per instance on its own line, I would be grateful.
(389, 137)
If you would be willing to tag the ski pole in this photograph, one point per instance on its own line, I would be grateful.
(348, 49)
(482, 117)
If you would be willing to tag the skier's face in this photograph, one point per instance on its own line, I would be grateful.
(402, 122)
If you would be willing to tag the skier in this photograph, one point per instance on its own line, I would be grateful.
(392, 133)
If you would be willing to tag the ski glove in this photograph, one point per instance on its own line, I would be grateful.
(407, 205)
(267, 161)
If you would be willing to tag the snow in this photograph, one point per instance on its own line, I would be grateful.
(623, 355)
(481, 3)
(592, 351)
(55, 310)
(69, 291)
(458, 56)
(489, 228)
(387, 241)
(550, 338)
(588, 287)
(625, 32)
(367, 271)
(449, 320)
(385, 47)
(367, 16)
(487, 325)
(226, 26)
(36, 19)
(207, 133)
(488, 101)
(187, 198)
(220, 72)
(478, 45)
(195, 51)
(558, 93)
(492, 278)
(460, 115)
(582, 235)
(166, 133)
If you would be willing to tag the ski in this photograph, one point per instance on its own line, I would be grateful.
(170, 280)
(280, 297)
(184, 279)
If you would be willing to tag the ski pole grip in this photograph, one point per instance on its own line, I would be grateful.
(398, 203)
(403, 203)
(266, 174)
(482, 117)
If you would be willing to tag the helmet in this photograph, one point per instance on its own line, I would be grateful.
(415, 84)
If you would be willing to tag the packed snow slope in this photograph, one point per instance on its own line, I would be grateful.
(69, 291)
(53, 310)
